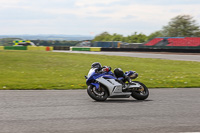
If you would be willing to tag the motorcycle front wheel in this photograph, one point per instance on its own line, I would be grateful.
(100, 94)
(141, 93)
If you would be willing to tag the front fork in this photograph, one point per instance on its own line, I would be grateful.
(97, 85)
(97, 90)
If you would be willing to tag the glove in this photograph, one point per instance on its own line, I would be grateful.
(106, 69)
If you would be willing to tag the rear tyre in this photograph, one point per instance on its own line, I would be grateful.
(141, 93)
(100, 94)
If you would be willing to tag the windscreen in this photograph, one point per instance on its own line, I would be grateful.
(91, 72)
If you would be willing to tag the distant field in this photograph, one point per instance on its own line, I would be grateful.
(49, 70)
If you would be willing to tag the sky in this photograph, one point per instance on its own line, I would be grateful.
(91, 17)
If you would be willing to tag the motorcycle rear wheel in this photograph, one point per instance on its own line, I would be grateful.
(142, 93)
(100, 94)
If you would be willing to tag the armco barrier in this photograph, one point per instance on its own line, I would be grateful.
(15, 48)
(61, 48)
(145, 49)
(1, 47)
(117, 49)
(79, 48)
(95, 48)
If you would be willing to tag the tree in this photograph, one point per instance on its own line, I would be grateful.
(142, 38)
(105, 36)
(135, 38)
(116, 37)
(181, 26)
(155, 34)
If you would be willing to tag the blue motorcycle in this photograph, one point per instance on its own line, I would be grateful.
(103, 85)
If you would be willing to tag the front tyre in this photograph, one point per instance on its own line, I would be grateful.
(140, 93)
(100, 94)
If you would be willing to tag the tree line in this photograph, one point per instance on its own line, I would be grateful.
(179, 26)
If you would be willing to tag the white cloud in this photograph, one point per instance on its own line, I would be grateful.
(122, 16)
(9, 1)
(93, 2)
(148, 13)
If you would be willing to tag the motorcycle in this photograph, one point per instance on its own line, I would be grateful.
(103, 85)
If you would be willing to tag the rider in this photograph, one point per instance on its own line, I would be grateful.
(99, 68)
(117, 72)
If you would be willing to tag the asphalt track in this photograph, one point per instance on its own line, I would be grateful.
(73, 111)
(157, 55)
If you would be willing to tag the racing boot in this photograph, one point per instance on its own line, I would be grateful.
(126, 86)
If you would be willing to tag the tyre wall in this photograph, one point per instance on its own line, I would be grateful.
(15, 48)
(85, 48)
(61, 48)
(29, 48)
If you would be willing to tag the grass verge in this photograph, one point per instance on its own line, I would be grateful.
(48, 70)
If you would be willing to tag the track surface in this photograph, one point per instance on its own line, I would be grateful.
(158, 55)
(65, 111)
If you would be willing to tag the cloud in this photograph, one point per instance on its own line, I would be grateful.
(85, 3)
(10, 1)
(121, 16)
(159, 2)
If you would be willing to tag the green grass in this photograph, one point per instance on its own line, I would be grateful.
(49, 70)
